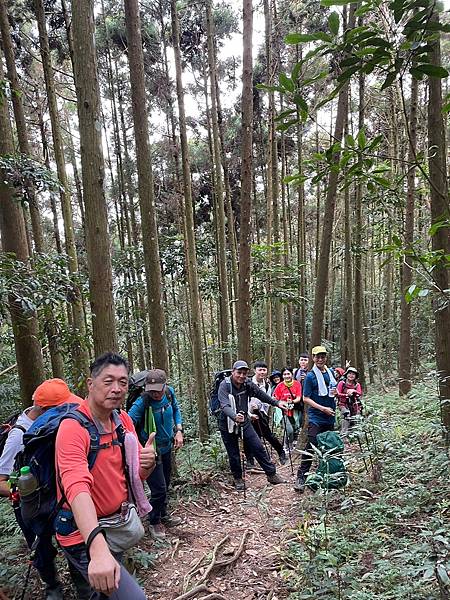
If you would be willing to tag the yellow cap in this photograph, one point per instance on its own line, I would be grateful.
(319, 350)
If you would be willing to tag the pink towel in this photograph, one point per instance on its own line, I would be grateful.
(132, 457)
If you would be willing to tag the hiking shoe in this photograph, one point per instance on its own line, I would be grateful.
(169, 521)
(275, 479)
(239, 485)
(250, 463)
(299, 485)
(54, 593)
(283, 458)
(157, 531)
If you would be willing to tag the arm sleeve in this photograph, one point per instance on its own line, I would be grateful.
(72, 447)
(308, 386)
(177, 418)
(137, 410)
(12, 446)
(359, 389)
(297, 389)
(342, 398)
(257, 392)
(224, 401)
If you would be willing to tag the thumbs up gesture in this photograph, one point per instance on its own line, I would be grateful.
(148, 454)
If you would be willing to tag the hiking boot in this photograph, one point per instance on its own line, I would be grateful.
(55, 593)
(169, 521)
(157, 531)
(250, 463)
(283, 458)
(299, 485)
(239, 485)
(275, 479)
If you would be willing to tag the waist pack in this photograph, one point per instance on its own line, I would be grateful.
(124, 530)
(331, 473)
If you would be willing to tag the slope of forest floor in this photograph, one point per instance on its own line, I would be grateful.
(385, 536)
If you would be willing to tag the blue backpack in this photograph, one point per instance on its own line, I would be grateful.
(40, 508)
(214, 404)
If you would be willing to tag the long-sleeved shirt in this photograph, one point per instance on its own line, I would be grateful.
(166, 414)
(265, 387)
(242, 396)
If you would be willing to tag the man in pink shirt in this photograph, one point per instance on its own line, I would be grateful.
(96, 493)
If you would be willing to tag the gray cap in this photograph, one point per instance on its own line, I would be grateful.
(240, 364)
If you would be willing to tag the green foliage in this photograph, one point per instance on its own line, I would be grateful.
(387, 539)
(27, 177)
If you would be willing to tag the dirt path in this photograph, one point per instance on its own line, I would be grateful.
(261, 521)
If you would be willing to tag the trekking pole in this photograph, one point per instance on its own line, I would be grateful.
(288, 444)
(241, 440)
(27, 579)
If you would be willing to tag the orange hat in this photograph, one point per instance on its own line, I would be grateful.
(53, 392)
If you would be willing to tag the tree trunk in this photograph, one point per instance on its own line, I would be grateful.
(93, 174)
(78, 349)
(191, 256)
(404, 355)
(13, 235)
(244, 306)
(145, 186)
(219, 194)
(441, 238)
(328, 216)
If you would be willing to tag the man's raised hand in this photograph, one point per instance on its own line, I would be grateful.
(148, 454)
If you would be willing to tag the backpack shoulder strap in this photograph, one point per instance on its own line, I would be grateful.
(170, 395)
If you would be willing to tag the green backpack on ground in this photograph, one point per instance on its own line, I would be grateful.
(331, 473)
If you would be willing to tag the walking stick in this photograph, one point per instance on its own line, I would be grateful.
(262, 438)
(288, 445)
(241, 450)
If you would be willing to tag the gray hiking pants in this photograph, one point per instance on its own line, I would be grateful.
(129, 588)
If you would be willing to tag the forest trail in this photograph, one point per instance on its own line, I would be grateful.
(261, 521)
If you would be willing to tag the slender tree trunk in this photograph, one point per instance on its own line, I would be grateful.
(145, 185)
(219, 194)
(404, 355)
(191, 256)
(79, 349)
(244, 307)
(13, 235)
(328, 216)
(441, 239)
(93, 173)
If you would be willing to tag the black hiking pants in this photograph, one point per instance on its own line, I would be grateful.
(313, 432)
(158, 482)
(252, 443)
(262, 429)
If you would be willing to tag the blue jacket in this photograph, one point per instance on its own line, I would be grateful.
(167, 415)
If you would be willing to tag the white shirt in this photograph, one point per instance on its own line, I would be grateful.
(14, 444)
(255, 402)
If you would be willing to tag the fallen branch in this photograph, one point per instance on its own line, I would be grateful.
(236, 555)
(213, 597)
(193, 592)
(196, 566)
(213, 562)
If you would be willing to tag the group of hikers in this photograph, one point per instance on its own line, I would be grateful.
(74, 468)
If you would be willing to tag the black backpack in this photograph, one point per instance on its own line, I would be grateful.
(6, 427)
(136, 384)
(214, 404)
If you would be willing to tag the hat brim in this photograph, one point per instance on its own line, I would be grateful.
(155, 387)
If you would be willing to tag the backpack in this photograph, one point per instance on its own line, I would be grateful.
(139, 426)
(6, 427)
(331, 473)
(213, 403)
(40, 508)
(136, 384)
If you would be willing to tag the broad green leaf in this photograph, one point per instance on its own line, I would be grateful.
(345, 76)
(433, 70)
(389, 80)
(361, 137)
(286, 82)
(416, 73)
(333, 23)
(300, 38)
(350, 140)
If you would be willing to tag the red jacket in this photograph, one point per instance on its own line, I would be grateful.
(350, 401)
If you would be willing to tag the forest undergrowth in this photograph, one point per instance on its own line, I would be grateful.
(385, 536)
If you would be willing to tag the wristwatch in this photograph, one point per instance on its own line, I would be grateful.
(179, 428)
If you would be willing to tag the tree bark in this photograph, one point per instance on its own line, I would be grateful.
(93, 175)
(328, 216)
(145, 185)
(404, 355)
(244, 306)
(79, 348)
(441, 238)
(14, 240)
(191, 256)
